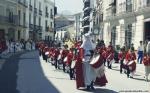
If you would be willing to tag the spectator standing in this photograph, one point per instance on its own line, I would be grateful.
(140, 52)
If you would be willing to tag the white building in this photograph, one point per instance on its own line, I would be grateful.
(126, 21)
(8, 19)
(78, 25)
(41, 19)
(69, 26)
(26, 19)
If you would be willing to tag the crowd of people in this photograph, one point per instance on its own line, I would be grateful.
(85, 61)
(12, 46)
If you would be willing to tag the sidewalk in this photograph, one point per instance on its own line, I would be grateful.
(6, 56)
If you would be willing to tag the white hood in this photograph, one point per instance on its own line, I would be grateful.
(87, 43)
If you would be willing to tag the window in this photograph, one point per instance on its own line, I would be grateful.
(128, 5)
(30, 2)
(46, 29)
(51, 24)
(34, 3)
(29, 18)
(51, 13)
(24, 19)
(46, 9)
(128, 35)
(113, 36)
(19, 14)
(39, 21)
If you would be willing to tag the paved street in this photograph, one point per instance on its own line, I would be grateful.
(27, 73)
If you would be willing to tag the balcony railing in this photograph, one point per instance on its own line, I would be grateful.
(30, 7)
(40, 12)
(10, 20)
(148, 3)
(51, 16)
(24, 3)
(31, 26)
(46, 29)
(40, 28)
(86, 5)
(86, 13)
(85, 23)
(86, 1)
(46, 14)
(35, 11)
(129, 8)
(111, 11)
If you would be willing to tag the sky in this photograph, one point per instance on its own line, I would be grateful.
(72, 6)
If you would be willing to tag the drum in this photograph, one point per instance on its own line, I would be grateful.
(73, 64)
(132, 66)
(96, 62)
(59, 57)
(46, 53)
(65, 59)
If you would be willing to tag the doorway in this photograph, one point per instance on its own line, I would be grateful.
(147, 31)
(2, 34)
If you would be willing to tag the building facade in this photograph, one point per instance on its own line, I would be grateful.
(86, 16)
(78, 25)
(41, 19)
(8, 19)
(26, 19)
(125, 21)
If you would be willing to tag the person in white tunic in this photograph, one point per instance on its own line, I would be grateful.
(146, 61)
(89, 73)
(28, 46)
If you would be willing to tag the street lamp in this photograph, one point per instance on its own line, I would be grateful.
(54, 20)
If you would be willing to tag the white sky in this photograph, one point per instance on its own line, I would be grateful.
(74, 6)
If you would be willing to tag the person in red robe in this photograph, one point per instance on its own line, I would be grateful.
(65, 52)
(56, 54)
(69, 63)
(146, 61)
(130, 57)
(79, 68)
(110, 56)
(121, 57)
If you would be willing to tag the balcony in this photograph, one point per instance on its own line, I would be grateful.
(40, 12)
(35, 11)
(113, 3)
(9, 20)
(129, 8)
(46, 14)
(31, 26)
(86, 5)
(46, 29)
(52, 16)
(30, 7)
(24, 3)
(85, 23)
(25, 25)
(86, 30)
(40, 28)
(111, 11)
(86, 1)
(86, 13)
(148, 3)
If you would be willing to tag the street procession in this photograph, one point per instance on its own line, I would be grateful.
(85, 62)
(74, 46)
